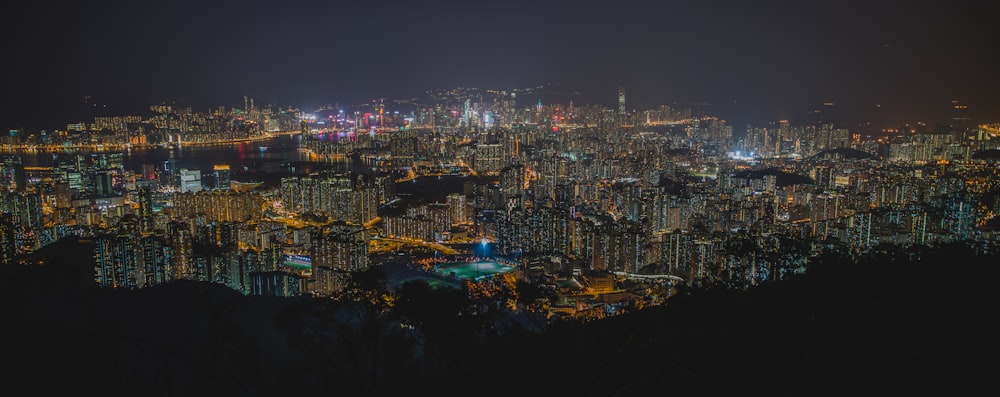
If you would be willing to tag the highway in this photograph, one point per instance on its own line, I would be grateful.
(386, 245)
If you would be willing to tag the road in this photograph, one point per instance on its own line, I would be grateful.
(386, 244)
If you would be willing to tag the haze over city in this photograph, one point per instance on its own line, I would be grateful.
(885, 63)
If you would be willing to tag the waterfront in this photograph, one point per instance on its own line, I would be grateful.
(263, 160)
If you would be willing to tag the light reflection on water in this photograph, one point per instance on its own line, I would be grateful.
(265, 160)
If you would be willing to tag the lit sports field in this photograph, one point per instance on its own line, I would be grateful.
(473, 270)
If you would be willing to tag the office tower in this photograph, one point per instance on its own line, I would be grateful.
(222, 176)
(621, 101)
(103, 183)
(169, 172)
(12, 173)
(148, 172)
(189, 180)
(960, 116)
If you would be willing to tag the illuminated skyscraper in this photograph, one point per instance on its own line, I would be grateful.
(457, 208)
(116, 261)
(103, 182)
(189, 180)
(381, 112)
(466, 111)
(12, 173)
(157, 255)
(275, 283)
(148, 172)
(222, 176)
(513, 185)
(621, 101)
(180, 240)
(960, 116)
(622, 116)
(146, 209)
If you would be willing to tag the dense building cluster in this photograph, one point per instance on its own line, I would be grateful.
(581, 192)
(166, 127)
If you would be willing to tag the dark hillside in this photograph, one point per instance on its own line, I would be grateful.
(920, 322)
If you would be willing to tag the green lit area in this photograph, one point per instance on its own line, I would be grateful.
(297, 265)
(472, 270)
(297, 262)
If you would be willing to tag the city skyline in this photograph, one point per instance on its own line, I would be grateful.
(500, 235)
(887, 64)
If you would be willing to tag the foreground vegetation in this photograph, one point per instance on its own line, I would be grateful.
(911, 321)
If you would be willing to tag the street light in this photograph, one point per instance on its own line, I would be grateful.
(482, 243)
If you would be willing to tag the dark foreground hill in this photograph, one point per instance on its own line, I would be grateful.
(921, 322)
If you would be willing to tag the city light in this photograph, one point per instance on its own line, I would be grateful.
(492, 187)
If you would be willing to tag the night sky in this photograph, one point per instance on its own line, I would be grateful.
(886, 63)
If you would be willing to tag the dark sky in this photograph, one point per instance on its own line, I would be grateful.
(886, 62)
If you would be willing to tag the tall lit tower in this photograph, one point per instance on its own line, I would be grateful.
(960, 116)
(381, 112)
(621, 101)
(222, 176)
(146, 209)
